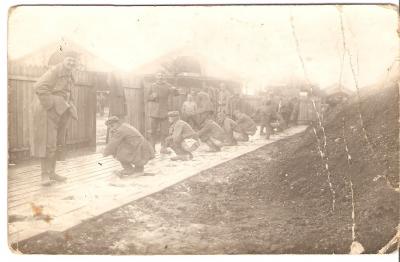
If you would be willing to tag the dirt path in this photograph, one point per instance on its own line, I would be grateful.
(245, 205)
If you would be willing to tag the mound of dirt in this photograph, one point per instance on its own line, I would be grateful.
(373, 168)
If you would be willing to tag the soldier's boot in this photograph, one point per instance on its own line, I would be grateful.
(212, 147)
(52, 172)
(60, 153)
(44, 165)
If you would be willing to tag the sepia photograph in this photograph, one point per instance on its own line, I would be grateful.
(203, 129)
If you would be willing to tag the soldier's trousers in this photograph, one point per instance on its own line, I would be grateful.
(56, 132)
(56, 139)
(159, 130)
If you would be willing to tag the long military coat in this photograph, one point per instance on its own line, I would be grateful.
(245, 124)
(181, 130)
(128, 145)
(211, 129)
(158, 95)
(52, 92)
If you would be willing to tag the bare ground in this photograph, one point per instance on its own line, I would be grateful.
(274, 200)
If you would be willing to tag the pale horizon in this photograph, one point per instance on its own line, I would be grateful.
(257, 45)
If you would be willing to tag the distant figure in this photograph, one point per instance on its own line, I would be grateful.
(205, 108)
(189, 109)
(128, 146)
(266, 112)
(212, 134)
(224, 100)
(182, 138)
(158, 95)
(229, 126)
(286, 110)
(245, 126)
(295, 112)
(52, 110)
(116, 98)
(101, 103)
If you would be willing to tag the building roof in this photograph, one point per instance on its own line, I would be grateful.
(52, 51)
(193, 60)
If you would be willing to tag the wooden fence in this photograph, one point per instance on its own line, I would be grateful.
(82, 133)
(20, 96)
(135, 88)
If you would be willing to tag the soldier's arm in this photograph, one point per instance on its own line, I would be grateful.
(46, 82)
(115, 140)
(44, 86)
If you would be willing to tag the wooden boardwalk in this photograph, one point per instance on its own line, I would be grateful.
(93, 189)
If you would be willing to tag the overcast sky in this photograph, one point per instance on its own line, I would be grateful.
(256, 42)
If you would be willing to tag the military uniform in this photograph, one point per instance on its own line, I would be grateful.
(205, 107)
(229, 126)
(212, 134)
(129, 147)
(245, 127)
(52, 110)
(117, 100)
(189, 110)
(179, 131)
(158, 95)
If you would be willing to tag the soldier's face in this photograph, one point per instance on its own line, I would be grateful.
(69, 63)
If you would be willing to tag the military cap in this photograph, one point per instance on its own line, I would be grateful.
(173, 113)
(112, 120)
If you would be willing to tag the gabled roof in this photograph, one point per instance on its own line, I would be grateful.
(41, 56)
(209, 67)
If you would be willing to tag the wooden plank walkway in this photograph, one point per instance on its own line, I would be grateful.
(93, 189)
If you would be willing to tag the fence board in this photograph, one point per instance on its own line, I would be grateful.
(20, 95)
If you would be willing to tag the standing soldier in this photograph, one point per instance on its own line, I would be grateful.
(128, 146)
(189, 109)
(205, 107)
(224, 99)
(182, 138)
(158, 95)
(267, 113)
(53, 108)
(116, 99)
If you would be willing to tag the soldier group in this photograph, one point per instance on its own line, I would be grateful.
(182, 132)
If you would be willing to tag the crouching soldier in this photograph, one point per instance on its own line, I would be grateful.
(182, 138)
(128, 146)
(229, 126)
(212, 134)
(245, 126)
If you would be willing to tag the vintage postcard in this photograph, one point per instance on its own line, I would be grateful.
(215, 129)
